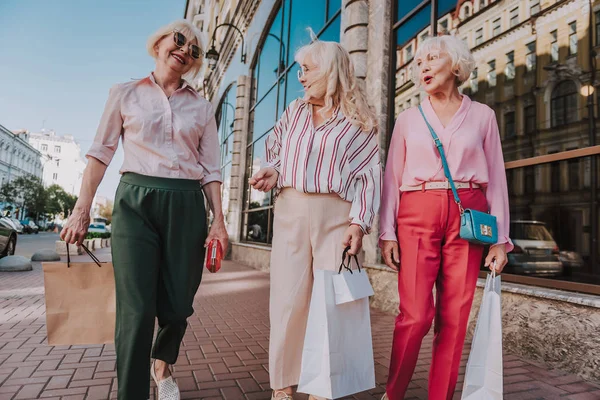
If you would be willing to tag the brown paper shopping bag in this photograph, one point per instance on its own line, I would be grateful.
(80, 302)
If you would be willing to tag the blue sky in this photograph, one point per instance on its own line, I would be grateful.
(59, 58)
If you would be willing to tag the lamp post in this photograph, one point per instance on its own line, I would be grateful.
(212, 55)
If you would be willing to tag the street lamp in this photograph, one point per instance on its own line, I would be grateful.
(212, 55)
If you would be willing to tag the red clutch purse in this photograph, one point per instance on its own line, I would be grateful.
(214, 255)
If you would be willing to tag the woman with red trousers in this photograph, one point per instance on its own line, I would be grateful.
(420, 220)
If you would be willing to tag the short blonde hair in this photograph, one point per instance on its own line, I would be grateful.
(342, 88)
(190, 32)
(463, 62)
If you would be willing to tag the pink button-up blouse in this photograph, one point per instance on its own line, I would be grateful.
(169, 137)
(472, 144)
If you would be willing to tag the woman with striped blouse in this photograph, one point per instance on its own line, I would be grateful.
(323, 158)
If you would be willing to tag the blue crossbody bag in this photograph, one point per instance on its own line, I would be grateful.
(475, 226)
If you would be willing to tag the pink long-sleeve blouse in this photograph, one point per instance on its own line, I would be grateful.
(472, 144)
(169, 137)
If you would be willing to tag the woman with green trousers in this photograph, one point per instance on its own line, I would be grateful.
(171, 161)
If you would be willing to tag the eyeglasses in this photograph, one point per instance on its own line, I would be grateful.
(300, 73)
(180, 41)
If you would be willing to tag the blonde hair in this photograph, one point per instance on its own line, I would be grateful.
(463, 62)
(339, 84)
(190, 32)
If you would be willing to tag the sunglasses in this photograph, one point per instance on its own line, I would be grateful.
(180, 41)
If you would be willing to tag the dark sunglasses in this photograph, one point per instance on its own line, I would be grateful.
(180, 41)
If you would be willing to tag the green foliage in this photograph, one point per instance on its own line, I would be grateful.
(28, 192)
(98, 235)
(59, 201)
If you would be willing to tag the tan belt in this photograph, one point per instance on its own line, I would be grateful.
(445, 185)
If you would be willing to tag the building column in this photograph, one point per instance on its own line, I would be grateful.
(366, 34)
(238, 163)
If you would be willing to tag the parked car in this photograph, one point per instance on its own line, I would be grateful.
(535, 252)
(8, 237)
(99, 227)
(29, 226)
(35, 229)
(14, 223)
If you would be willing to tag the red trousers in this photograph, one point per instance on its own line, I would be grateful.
(432, 253)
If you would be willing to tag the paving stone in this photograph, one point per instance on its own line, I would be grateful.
(224, 354)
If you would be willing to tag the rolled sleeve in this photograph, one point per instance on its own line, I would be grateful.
(109, 130)
(208, 151)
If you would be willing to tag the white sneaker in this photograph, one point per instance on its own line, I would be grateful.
(167, 388)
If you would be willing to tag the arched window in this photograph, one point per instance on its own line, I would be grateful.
(564, 103)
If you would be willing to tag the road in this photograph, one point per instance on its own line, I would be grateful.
(27, 245)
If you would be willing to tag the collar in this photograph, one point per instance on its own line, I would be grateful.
(184, 84)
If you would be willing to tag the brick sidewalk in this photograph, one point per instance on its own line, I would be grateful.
(224, 354)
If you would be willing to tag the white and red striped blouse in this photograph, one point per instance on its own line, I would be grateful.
(336, 157)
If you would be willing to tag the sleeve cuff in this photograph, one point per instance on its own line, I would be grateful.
(366, 229)
(387, 236)
(506, 241)
(274, 165)
(101, 153)
(215, 177)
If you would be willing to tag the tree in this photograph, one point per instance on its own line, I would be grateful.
(106, 210)
(8, 193)
(59, 202)
(30, 194)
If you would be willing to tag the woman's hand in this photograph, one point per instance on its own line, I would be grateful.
(77, 226)
(219, 232)
(353, 238)
(391, 254)
(497, 253)
(265, 179)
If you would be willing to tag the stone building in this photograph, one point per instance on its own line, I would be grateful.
(17, 156)
(535, 65)
(63, 163)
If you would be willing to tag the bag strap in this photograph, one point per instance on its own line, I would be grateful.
(348, 258)
(440, 147)
(92, 256)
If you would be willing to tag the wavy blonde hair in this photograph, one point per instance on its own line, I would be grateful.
(340, 85)
(189, 31)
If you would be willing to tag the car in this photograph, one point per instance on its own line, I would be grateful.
(98, 227)
(8, 237)
(29, 226)
(34, 228)
(14, 223)
(535, 252)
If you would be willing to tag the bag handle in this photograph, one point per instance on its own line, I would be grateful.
(440, 147)
(348, 258)
(92, 256)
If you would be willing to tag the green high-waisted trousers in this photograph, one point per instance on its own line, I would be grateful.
(159, 229)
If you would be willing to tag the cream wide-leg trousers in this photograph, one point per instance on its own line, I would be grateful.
(307, 234)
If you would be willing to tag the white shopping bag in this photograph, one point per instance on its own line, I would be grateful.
(337, 359)
(350, 285)
(483, 377)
